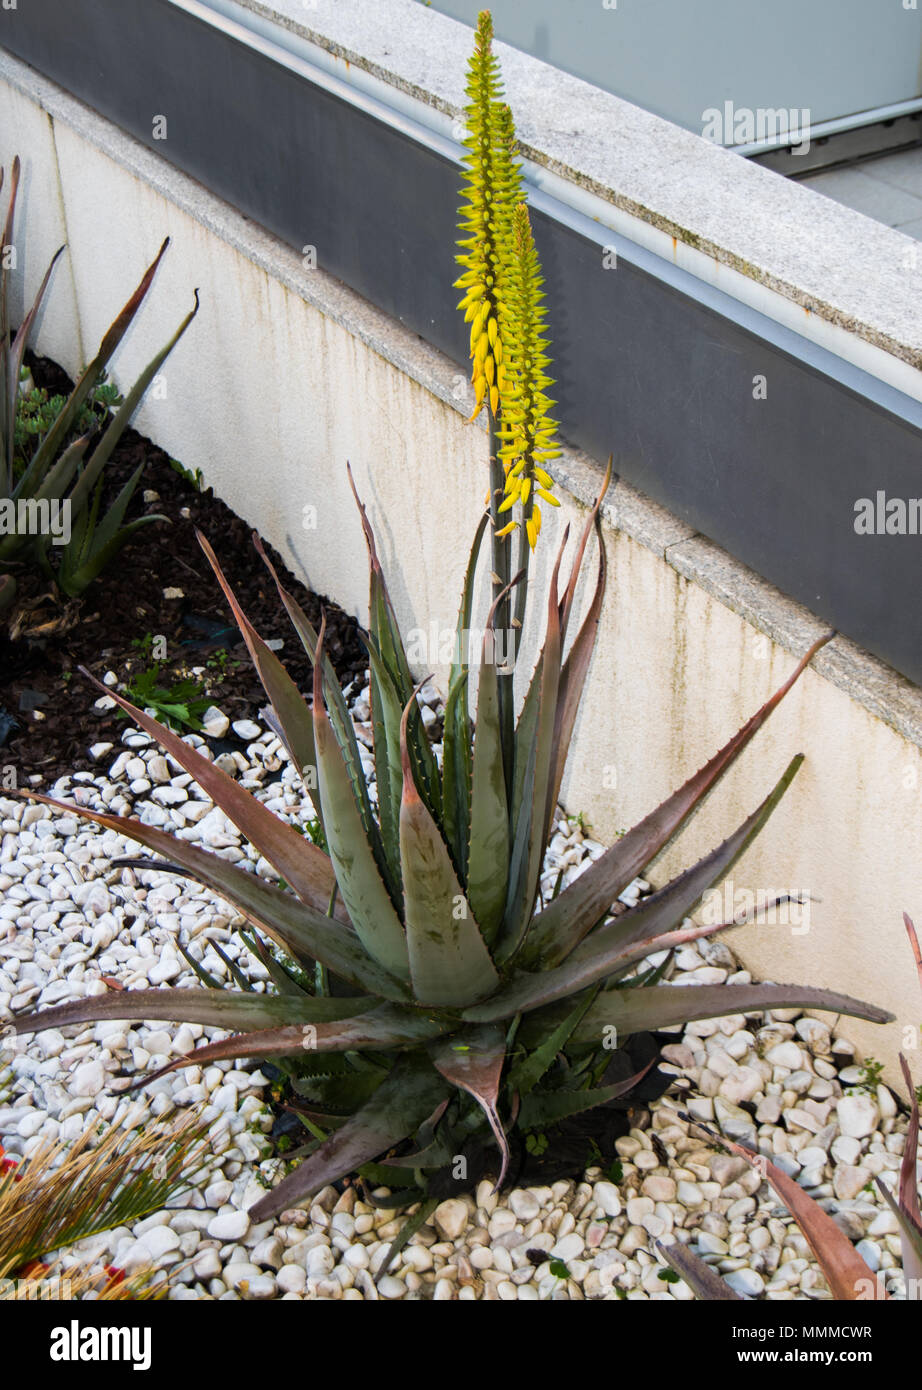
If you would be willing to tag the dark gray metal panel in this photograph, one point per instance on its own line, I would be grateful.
(659, 374)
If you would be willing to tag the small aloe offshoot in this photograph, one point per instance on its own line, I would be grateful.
(59, 473)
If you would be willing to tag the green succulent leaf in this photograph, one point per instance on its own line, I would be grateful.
(449, 962)
(292, 712)
(339, 715)
(538, 1111)
(456, 742)
(364, 892)
(306, 934)
(488, 852)
(384, 1028)
(394, 1112)
(217, 1008)
(664, 1006)
(51, 444)
(529, 841)
(526, 1073)
(562, 925)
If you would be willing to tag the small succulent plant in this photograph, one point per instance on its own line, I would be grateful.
(57, 479)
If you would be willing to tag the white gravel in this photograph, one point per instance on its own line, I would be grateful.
(784, 1081)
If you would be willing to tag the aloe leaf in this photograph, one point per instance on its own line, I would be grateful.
(914, 943)
(525, 1075)
(386, 632)
(449, 961)
(638, 932)
(910, 1238)
(382, 619)
(338, 712)
(84, 560)
(58, 478)
(122, 417)
(50, 445)
(456, 741)
(363, 890)
(473, 1060)
(283, 981)
(291, 709)
(906, 1210)
(847, 1275)
(573, 678)
(564, 923)
(216, 1008)
(456, 771)
(385, 722)
(525, 734)
(397, 1108)
(488, 851)
(700, 1278)
(566, 602)
(307, 935)
(664, 910)
(299, 862)
(663, 1006)
(549, 1107)
(529, 844)
(409, 1228)
(383, 1028)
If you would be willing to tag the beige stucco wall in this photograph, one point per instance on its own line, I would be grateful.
(270, 395)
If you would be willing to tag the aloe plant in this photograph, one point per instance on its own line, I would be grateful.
(849, 1276)
(59, 475)
(426, 993)
(421, 993)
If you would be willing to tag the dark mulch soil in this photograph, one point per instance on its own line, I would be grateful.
(126, 603)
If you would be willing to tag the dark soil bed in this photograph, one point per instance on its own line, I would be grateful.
(38, 673)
